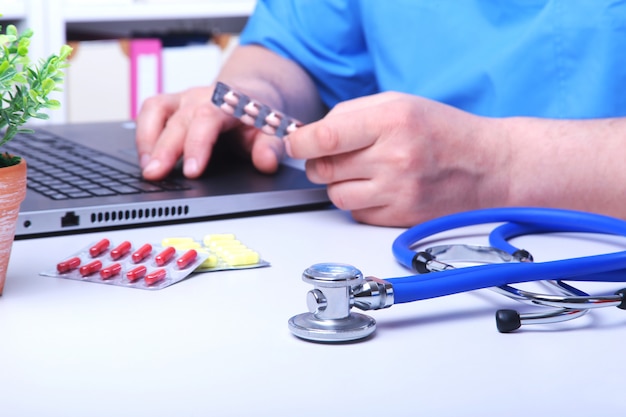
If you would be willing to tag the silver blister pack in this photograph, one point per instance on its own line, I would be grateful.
(252, 112)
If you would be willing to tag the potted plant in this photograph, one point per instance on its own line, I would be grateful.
(24, 91)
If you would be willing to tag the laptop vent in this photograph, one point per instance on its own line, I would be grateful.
(137, 214)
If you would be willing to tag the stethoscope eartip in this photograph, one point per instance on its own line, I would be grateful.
(508, 321)
(622, 293)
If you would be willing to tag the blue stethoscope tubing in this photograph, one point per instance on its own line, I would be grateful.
(517, 221)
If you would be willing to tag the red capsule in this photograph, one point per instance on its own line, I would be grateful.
(110, 270)
(68, 265)
(155, 276)
(90, 268)
(99, 247)
(136, 273)
(141, 253)
(165, 256)
(120, 250)
(187, 258)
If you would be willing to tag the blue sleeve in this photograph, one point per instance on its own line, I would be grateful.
(313, 33)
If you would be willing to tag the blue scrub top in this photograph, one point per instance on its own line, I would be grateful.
(546, 58)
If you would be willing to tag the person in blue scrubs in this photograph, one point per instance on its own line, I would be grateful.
(420, 108)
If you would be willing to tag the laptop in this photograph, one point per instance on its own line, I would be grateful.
(86, 177)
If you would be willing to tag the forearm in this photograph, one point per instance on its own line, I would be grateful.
(575, 164)
(274, 80)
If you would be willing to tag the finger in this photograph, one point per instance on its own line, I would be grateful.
(151, 121)
(342, 167)
(349, 126)
(334, 134)
(267, 152)
(201, 135)
(380, 216)
(167, 149)
(368, 204)
(356, 195)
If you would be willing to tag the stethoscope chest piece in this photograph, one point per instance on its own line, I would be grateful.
(329, 318)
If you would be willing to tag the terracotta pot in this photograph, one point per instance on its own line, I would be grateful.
(12, 193)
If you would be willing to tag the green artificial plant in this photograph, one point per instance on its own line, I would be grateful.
(25, 86)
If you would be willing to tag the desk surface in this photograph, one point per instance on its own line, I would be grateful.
(217, 344)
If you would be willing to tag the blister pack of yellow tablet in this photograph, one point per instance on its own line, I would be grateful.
(223, 251)
(154, 266)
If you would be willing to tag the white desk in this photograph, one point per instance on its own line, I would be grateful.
(217, 344)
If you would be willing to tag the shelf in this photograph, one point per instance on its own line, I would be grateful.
(158, 11)
(52, 20)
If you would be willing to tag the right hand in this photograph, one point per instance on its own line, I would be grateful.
(188, 125)
(395, 159)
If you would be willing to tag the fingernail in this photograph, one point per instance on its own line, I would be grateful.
(279, 149)
(144, 160)
(190, 167)
(288, 146)
(152, 166)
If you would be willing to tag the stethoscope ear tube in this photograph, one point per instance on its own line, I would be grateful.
(539, 219)
(605, 267)
(608, 267)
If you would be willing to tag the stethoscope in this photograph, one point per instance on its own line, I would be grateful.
(339, 287)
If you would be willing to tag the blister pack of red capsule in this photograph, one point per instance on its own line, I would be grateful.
(252, 112)
(155, 266)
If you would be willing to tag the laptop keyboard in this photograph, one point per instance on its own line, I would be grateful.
(63, 170)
